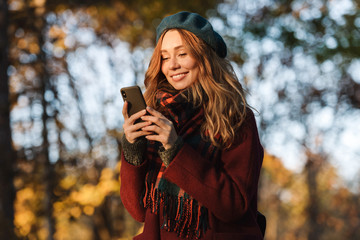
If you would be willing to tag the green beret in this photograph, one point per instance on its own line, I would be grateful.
(196, 24)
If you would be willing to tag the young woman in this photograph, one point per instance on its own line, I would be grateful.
(190, 169)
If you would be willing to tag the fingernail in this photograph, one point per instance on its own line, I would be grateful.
(149, 108)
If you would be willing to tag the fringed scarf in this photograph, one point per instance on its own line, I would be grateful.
(182, 213)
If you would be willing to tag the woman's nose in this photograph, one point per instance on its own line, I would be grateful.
(174, 64)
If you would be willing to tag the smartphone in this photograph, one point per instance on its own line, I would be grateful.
(135, 99)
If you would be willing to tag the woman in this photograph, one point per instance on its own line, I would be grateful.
(190, 169)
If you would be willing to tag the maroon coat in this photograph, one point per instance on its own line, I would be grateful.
(227, 188)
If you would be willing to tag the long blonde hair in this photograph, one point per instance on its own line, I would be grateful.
(217, 90)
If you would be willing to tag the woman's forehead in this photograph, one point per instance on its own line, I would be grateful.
(172, 40)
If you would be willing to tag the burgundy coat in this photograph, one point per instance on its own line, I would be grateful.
(227, 188)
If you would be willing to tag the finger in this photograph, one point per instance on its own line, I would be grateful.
(162, 139)
(154, 112)
(129, 128)
(136, 116)
(154, 137)
(153, 128)
(125, 110)
(138, 134)
(161, 122)
(167, 141)
(162, 135)
(134, 135)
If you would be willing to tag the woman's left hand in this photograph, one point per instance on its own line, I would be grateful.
(163, 127)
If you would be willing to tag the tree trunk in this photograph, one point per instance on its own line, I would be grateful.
(312, 168)
(49, 173)
(7, 159)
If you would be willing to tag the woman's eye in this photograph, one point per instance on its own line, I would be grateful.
(182, 54)
(164, 58)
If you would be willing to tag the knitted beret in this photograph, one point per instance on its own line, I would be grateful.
(196, 24)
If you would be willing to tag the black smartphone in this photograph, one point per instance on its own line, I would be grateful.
(135, 99)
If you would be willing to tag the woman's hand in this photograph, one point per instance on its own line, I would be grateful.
(134, 130)
(163, 127)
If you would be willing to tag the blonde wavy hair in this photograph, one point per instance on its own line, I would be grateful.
(217, 90)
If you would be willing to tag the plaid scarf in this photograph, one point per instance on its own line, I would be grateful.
(181, 212)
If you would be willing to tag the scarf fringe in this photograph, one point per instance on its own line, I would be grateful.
(181, 214)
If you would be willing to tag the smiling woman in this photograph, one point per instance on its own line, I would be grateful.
(178, 65)
(191, 168)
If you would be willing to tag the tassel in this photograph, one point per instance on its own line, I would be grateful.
(146, 193)
(181, 213)
(190, 217)
(178, 214)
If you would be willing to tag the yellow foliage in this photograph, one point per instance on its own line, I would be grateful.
(34, 48)
(89, 210)
(22, 43)
(276, 169)
(82, 201)
(18, 183)
(61, 8)
(328, 178)
(88, 195)
(24, 216)
(62, 215)
(106, 187)
(23, 221)
(25, 194)
(106, 174)
(75, 212)
(60, 43)
(43, 233)
(68, 182)
(28, 43)
(93, 195)
(92, 10)
(37, 3)
(56, 32)
(72, 231)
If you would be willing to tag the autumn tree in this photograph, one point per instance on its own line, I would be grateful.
(64, 148)
(7, 159)
(299, 60)
(285, 197)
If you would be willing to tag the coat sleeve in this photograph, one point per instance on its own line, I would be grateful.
(227, 189)
(132, 179)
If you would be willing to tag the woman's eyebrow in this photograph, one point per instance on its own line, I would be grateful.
(176, 48)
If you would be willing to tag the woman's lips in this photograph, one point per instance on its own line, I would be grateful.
(178, 77)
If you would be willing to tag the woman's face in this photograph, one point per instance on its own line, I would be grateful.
(177, 64)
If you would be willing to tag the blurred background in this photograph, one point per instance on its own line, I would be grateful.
(64, 61)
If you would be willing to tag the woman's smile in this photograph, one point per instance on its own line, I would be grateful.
(179, 77)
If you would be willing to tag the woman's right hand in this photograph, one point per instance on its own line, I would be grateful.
(134, 130)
